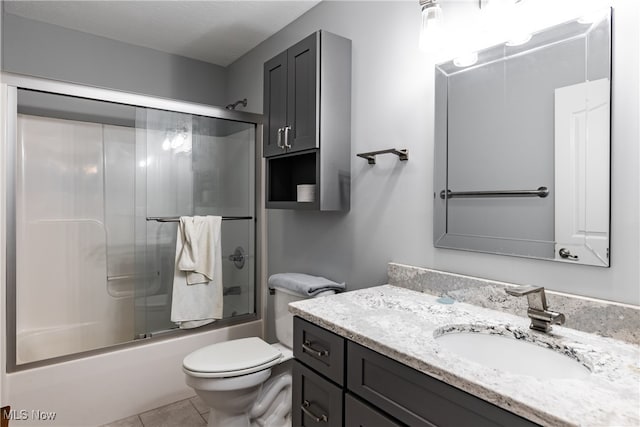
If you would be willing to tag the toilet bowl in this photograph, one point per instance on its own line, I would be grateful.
(247, 382)
(229, 378)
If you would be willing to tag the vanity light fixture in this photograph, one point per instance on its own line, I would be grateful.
(466, 60)
(430, 28)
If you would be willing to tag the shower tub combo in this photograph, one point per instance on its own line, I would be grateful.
(95, 181)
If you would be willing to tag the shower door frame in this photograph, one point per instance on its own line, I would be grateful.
(10, 83)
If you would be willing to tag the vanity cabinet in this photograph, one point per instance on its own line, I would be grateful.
(359, 414)
(376, 391)
(307, 132)
(318, 375)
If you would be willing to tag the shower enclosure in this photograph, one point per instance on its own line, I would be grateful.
(96, 182)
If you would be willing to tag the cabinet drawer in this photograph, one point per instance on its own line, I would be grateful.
(418, 399)
(316, 401)
(359, 414)
(319, 349)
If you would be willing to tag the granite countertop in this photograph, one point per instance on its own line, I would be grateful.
(402, 324)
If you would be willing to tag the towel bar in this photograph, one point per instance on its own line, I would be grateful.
(177, 218)
(540, 192)
(371, 155)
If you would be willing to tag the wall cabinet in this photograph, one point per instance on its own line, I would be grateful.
(307, 132)
(351, 385)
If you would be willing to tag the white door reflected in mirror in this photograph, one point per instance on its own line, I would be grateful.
(582, 172)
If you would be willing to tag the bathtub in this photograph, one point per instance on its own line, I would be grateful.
(44, 343)
(99, 389)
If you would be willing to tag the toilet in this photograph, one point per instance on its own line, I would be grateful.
(246, 382)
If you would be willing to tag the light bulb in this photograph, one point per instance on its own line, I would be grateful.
(466, 60)
(430, 28)
(519, 40)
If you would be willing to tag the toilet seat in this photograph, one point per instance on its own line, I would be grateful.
(231, 358)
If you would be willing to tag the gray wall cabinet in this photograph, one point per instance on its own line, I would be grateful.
(307, 133)
(339, 382)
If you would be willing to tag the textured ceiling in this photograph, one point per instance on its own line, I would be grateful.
(214, 31)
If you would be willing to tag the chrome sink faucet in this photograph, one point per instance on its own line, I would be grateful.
(541, 317)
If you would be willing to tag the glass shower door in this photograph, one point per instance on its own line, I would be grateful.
(193, 165)
(74, 222)
(99, 187)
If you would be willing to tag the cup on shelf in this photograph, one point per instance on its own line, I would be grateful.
(306, 192)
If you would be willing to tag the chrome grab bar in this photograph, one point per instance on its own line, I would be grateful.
(306, 347)
(305, 405)
(540, 192)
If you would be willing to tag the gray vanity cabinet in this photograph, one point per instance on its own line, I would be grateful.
(318, 375)
(315, 399)
(376, 391)
(307, 132)
(417, 399)
(359, 414)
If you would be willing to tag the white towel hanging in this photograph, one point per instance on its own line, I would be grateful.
(197, 282)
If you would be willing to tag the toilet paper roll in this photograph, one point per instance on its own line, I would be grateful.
(306, 192)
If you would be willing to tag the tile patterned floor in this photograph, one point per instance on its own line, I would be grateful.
(185, 413)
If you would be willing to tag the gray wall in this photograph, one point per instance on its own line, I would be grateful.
(44, 50)
(391, 203)
(1, 30)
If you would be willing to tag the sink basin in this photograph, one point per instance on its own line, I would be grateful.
(512, 355)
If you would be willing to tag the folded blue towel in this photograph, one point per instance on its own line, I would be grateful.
(303, 284)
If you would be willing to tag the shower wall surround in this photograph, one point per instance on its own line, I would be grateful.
(619, 321)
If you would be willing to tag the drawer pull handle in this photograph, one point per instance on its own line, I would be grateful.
(315, 418)
(306, 346)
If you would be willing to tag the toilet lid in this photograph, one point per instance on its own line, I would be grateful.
(236, 356)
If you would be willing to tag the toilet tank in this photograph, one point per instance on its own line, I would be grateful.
(284, 319)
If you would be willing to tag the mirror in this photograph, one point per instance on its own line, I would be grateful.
(522, 146)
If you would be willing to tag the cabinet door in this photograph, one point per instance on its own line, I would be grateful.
(316, 400)
(275, 104)
(302, 95)
(359, 414)
(418, 399)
